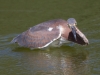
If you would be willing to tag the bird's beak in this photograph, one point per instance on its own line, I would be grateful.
(74, 32)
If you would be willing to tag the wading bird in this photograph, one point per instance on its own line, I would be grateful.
(51, 33)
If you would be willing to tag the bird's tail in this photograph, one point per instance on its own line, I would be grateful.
(15, 39)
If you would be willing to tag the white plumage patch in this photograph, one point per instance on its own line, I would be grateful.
(50, 29)
(61, 28)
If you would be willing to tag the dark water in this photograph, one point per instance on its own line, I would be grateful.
(17, 16)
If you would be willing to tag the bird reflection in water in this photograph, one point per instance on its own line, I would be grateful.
(57, 61)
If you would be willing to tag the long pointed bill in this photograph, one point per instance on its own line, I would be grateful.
(74, 32)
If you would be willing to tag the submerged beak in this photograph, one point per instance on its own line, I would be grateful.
(74, 32)
(75, 35)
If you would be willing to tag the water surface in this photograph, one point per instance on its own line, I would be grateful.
(17, 16)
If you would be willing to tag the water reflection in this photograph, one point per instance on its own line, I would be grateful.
(56, 61)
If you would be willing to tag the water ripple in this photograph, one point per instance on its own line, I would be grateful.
(5, 41)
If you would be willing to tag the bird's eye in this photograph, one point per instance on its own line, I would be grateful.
(75, 23)
(68, 25)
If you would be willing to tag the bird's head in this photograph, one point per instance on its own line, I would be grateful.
(76, 35)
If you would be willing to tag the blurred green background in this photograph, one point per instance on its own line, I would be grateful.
(17, 16)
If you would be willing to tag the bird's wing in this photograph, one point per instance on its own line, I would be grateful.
(38, 39)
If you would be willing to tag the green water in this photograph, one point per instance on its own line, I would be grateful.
(17, 16)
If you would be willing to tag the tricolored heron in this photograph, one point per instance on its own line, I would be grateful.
(51, 33)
